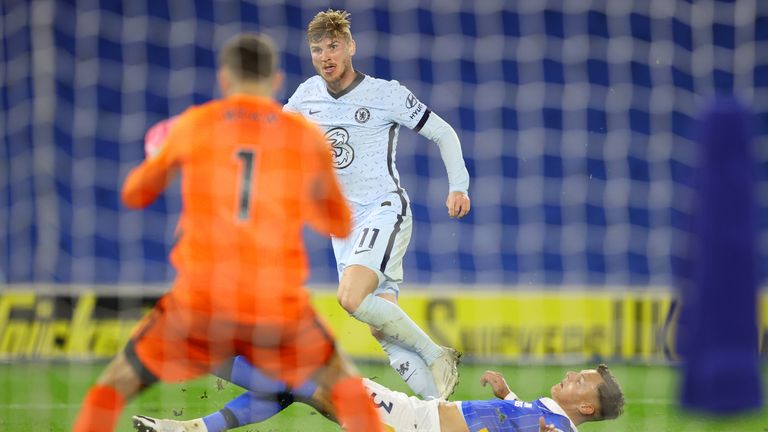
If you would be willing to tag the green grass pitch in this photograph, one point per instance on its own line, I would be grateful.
(45, 397)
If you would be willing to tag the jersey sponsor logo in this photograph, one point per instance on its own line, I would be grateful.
(313, 112)
(417, 111)
(359, 251)
(362, 115)
(343, 154)
(411, 101)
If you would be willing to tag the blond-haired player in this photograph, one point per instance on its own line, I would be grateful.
(362, 117)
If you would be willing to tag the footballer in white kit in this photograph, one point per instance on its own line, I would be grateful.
(362, 117)
(362, 125)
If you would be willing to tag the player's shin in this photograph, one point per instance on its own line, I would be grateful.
(411, 367)
(353, 406)
(390, 320)
(100, 410)
(248, 408)
(267, 396)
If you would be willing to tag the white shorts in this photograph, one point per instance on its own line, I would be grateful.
(379, 239)
(400, 412)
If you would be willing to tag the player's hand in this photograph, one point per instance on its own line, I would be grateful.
(458, 204)
(497, 382)
(155, 137)
(544, 427)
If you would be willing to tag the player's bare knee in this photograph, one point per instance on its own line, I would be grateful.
(349, 299)
(356, 283)
(120, 375)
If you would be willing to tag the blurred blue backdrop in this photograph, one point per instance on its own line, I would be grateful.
(575, 119)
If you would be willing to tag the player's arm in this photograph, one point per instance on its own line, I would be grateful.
(438, 130)
(147, 181)
(157, 134)
(328, 211)
(498, 385)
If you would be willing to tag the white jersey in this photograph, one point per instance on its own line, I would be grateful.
(362, 124)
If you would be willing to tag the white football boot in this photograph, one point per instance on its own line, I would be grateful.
(149, 424)
(445, 372)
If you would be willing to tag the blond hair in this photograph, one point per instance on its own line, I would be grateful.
(333, 24)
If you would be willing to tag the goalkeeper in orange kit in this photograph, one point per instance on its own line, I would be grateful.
(251, 177)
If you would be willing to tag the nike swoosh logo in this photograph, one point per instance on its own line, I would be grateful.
(361, 251)
(313, 112)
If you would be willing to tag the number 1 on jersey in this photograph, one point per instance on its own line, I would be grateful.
(247, 158)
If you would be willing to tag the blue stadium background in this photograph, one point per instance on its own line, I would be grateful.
(576, 120)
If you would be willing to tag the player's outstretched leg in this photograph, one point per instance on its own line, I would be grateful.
(396, 327)
(100, 409)
(105, 400)
(265, 398)
(411, 368)
(355, 295)
(248, 408)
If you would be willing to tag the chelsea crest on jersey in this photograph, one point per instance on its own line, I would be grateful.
(361, 124)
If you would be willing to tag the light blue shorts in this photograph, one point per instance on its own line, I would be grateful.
(379, 239)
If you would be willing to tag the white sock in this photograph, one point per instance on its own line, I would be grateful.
(411, 367)
(397, 327)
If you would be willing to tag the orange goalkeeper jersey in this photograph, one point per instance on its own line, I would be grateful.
(251, 177)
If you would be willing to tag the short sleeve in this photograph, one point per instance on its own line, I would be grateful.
(405, 108)
(511, 396)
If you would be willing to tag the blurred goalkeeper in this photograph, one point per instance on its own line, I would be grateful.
(252, 175)
(362, 117)
(588, 395)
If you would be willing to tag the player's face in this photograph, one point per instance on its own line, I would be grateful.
(332, 59)
(577, 387)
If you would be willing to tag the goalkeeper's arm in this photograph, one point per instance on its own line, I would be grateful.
(147, 181)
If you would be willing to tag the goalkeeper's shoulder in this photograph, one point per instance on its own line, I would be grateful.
(158, 133)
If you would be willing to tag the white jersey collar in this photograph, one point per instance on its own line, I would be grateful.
(358, 79)
(555, 408)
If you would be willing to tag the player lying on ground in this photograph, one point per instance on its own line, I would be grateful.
(589, 395)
